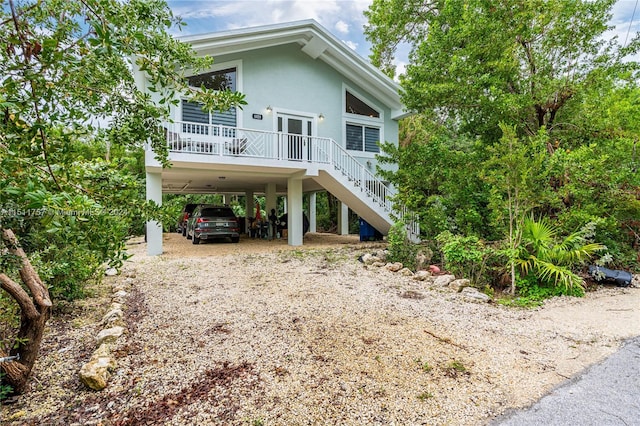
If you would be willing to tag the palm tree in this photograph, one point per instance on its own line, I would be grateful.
(551, 261)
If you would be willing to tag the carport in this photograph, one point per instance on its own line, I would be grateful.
(198, 174)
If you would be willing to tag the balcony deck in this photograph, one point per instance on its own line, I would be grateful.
(212, 158)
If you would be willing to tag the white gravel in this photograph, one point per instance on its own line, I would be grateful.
(262, 333)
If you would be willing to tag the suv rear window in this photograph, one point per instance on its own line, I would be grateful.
(217, 212)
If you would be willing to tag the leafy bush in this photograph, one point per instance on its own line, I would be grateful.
(400, 248)
(5, 390)
(464, 256)
(531, 293)
(9, 322)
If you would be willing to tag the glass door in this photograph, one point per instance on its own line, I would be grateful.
(297, 130)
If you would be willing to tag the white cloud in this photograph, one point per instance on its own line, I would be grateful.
(342, 27)
(351, 44)
(344, 17)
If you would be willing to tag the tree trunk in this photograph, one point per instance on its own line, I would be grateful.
(35, 308)
(333, 210)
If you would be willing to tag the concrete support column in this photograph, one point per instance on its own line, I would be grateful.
(312, 212)
(294, 213)
(250, 208)
(154, 228)
(343, 219)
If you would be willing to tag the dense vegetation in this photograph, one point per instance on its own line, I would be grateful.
(70, 193)
(526, 119)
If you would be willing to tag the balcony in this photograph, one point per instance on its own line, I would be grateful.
(261, 155)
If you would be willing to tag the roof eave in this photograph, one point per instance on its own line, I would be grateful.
(315, 41)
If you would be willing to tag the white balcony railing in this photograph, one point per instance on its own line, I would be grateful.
(223, 141)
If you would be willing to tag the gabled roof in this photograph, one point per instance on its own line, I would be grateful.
(315, 41)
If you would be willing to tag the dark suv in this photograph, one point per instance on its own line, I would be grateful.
(209, 221)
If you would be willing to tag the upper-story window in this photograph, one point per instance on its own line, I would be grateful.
(363, 138)
(353, 105)
(192, 112)
(215, 80)
(361, 133)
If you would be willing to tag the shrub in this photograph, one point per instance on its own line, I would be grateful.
(464, 256)
(400, 248)
(549, 260)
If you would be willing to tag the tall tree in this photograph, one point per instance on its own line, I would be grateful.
(481, 62)
(65, 65)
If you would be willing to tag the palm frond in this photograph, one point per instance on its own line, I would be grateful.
(558, 275)
(527, 264)
(539, 235)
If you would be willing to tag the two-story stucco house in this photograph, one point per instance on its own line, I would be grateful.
(315, 113)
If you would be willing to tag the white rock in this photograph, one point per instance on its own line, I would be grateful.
(475, 294)
(394, 267)
(113, 315)
(421, 275)
(382, 255)
(458, 285)
(406, 272)
(110, 272)
(120, 296)
(109, 335)
(97, 371)
(368, 259)
(443, 280)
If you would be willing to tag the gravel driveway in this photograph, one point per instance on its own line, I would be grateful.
(259, 333)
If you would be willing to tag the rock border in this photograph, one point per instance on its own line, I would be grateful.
(431, 276)
(96, 372)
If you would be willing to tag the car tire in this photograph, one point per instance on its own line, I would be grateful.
(195, 240)
(235, 239)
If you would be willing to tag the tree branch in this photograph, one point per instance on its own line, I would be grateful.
(27, 273)
(20, 296)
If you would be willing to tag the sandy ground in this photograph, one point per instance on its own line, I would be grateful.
(260, 333)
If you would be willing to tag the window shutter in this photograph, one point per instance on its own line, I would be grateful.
(354, 137)
(371, 139)
(226, 118)
(193, 112)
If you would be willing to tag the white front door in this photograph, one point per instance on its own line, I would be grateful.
(297, 130)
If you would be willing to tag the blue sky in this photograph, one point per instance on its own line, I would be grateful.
(344, 18)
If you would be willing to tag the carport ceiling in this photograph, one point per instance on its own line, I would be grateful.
(189, 181)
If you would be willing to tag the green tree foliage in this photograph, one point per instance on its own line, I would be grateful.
(484, 62)
(517, 176)
(71, 192)
(438, 176)
(465, 256)
(400, 248)
(521, 107)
